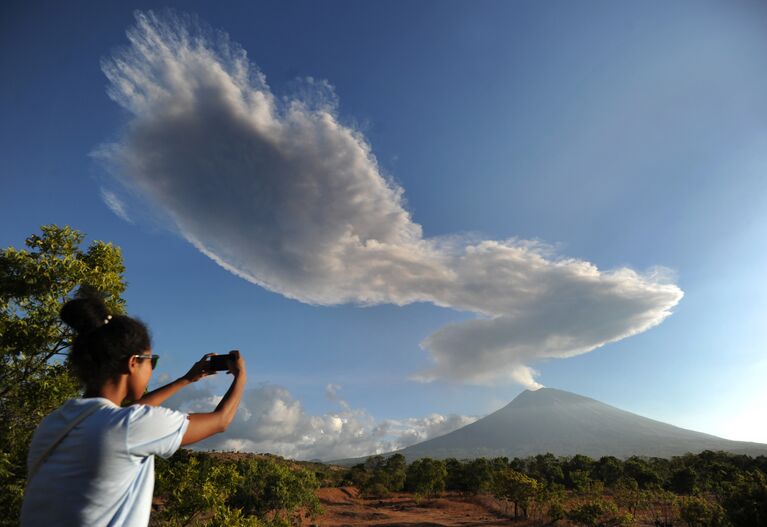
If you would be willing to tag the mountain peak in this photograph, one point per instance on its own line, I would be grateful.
(546, 396)
(565, 423)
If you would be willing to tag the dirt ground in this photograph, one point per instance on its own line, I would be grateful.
(344, 508)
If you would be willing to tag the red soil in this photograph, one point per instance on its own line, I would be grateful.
(345, 508)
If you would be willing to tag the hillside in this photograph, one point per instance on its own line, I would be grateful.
(565, 424)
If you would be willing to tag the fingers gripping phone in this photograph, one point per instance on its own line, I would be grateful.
(219, 362)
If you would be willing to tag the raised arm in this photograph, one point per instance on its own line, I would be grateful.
(204, 425)
(158, 396)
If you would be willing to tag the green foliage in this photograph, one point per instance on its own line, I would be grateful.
(34, 380)
(642, 472)
(426, 476)
(698, 511)
(556, 512)
(191, 488)
(624, 519)
(662, 505)
(546, 467)
(477, 476)
(715, 471)
(684, 481)
(375, 490)
(395, 469)
(746, 500)
(640, 487)
(516, 488)
(627, 494)
(593, 513)
(609, 470)
(274, 489)
(470, 477)
(198, 489)
(379, 476)
(454, 478)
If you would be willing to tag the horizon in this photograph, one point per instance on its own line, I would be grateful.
(404, 222)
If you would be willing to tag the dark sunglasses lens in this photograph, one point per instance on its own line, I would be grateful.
(155, 358)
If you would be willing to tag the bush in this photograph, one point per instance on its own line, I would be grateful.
(191, 488)
(198, 489)
(593, 513)
(556, 512)
(275, 489)
(376, 490)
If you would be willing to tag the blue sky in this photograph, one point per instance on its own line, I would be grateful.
(625, 136)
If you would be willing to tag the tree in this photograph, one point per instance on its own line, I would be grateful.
(609, 469)
(546, 467)
(454, 479)
(34, 378)
(478, 475)
(276, 490)
(627, 494)
(642, 472)
(684, 481)
(426, 476)
(517, 488)
(379, 475)
(697, 511)
(746, 499)
(396, 472)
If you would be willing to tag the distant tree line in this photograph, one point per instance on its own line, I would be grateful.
(707, 489)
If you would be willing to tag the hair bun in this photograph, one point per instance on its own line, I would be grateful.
(84, 314)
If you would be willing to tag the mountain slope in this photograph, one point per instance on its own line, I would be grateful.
(565, 424)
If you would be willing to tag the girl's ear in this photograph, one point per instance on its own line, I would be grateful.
(130, 365)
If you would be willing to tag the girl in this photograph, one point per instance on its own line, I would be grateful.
(91, 462)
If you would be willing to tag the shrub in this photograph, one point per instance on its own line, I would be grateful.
(376, 490)
(198, 489)
(593, 513)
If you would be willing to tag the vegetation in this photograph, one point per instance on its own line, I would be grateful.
(426, 477)
(713, 489)
(34, 380)
(204, 489)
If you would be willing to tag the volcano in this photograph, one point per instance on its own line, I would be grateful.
(565, 424)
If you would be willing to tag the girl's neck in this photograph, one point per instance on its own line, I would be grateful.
(116, 390)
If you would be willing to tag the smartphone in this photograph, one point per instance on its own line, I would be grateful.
(219, 362)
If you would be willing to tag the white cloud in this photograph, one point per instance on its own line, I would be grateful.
(415, 430)
(269, 419)
(115, 204)
(284, 195)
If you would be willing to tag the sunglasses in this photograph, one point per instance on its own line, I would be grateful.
(154, 358)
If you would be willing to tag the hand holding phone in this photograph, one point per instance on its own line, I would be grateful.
(231, 362)
(219, 362)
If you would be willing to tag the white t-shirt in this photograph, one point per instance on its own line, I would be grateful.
(102, 473)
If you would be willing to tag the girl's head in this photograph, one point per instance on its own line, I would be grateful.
(106, 346)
